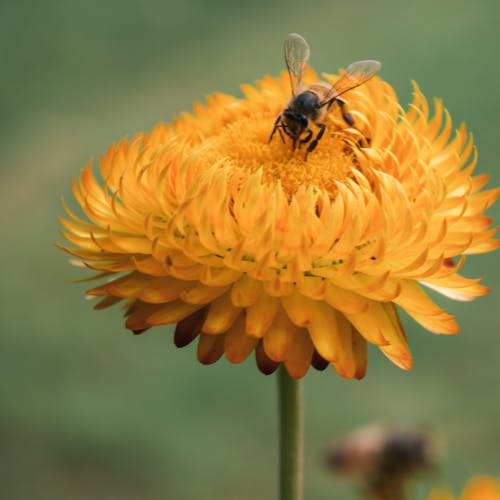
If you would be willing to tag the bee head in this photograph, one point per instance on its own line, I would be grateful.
(295, 123)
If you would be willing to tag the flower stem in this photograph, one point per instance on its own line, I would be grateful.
(291, 440)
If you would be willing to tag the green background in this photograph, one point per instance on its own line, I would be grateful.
(88, 411)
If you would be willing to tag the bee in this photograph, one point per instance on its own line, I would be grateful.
(309, 104)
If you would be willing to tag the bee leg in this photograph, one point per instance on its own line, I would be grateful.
(345, 114)
(281, 135)
(313, 144)
(277, 126)
(307, 138)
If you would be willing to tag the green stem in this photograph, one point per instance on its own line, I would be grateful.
(291, 440)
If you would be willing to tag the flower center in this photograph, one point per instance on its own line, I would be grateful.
(245, 145)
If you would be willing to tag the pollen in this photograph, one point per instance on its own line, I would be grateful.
(246, 145)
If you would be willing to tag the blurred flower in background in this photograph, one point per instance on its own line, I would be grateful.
(250, 248)
(478, 488)
(384, 460)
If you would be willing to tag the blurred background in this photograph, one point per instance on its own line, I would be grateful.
(88, 411)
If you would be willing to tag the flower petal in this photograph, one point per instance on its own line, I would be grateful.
(210, 348)
(260, 315)
(221, 315)
(266, 365)
(238, 345)
(279, 338)
(299, 355)
(189, 328)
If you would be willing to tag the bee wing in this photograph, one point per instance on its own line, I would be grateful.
(296, 57)
(356, 74)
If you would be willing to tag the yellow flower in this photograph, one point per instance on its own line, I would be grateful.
(478, 488)
(247, 246)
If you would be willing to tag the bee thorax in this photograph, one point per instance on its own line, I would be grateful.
(306, 103)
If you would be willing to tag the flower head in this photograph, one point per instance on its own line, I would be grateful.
(249, 248)
(478, 488)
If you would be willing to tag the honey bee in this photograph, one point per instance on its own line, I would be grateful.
(309, 104)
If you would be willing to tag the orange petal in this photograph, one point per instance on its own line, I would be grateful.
(172, 312)
(313, 287)
(360, 354)
(265, 364)
(237, 344)
(279, 337)
(299, 354)
(324, 329)
(203, 294)
(164, 289)
(189, 328)
(246, 291)
(413, 298)
(367, 324)
(381, 288)
(442, 323)
(218, 276)
(126, 286)
(397, 350)
(351, 361)
(221, 315)
(298, 308)
(107, 302)
(261, 315)
(138, 313)
(210, 348)
(149, 265)
(344, 300)
(277, 287)
(319, 318)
